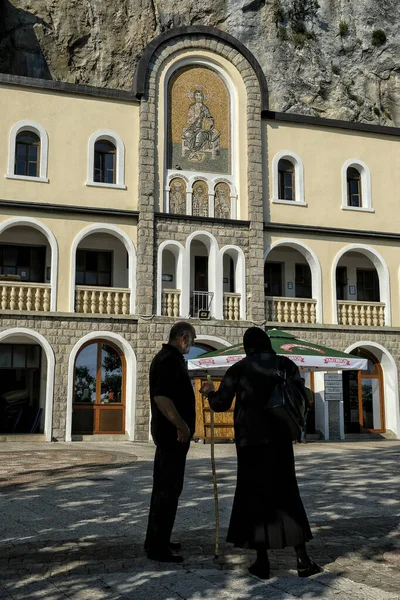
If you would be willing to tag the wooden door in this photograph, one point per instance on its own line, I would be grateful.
(99, 390)
(370, 396)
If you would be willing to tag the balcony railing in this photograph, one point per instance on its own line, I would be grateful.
(361, 313)
(200, 301)
(170, 303)
(25, 296)
(290, 310)
(103, 301)
(232, 306)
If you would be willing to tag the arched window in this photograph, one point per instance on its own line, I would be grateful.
(99, 389)
(354, 187)
(104, 162)
(27, 154)
(286, 180)
(222, 201)
(177, 196)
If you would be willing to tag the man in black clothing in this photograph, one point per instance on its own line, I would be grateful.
(173, 415)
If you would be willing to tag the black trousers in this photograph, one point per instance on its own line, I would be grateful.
(168, 475)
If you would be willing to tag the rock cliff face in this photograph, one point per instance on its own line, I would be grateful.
(329, 58)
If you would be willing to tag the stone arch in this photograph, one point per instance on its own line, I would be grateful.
(130, 248)
(390, 382)
(240, 273)
(37, 337)
(144, 64)
(314, 264)
(130, 358)
(178, 251)
(213, 340)
(48, 234)
(383, 274)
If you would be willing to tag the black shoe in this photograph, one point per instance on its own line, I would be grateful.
(174, 546)
(260, 569)
(308, 567)
(164, 556)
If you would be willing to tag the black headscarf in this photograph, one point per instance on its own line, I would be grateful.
(256, 340)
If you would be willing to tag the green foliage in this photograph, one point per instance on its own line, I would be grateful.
(343, 28)
(299, 33)
(303, 9)
(282, 34)
(279, 13)
(378, 37)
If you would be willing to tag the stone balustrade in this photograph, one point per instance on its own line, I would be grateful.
(232, 306)
(361, 313)
(103, 301)
(170, 303)
(25, 296)
(290, 310)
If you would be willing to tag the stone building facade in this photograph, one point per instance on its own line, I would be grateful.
(97, 262)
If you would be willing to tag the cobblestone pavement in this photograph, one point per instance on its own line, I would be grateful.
(73, 517)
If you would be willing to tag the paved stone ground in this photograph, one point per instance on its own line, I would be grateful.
(73, 517)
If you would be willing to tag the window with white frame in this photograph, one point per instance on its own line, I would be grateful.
(28, 150)
(356, 186)
(106, 160)
(288, 179)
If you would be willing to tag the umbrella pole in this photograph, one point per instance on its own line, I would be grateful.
(214, 477)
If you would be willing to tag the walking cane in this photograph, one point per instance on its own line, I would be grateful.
(214, 476)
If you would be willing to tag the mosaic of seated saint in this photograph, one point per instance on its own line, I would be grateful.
(200, 136)
(222, 201)
(177, 196)
(200, 199)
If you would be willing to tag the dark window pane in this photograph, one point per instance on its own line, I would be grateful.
(80, 259)
(32, 169)
(91, 261)
(5, 355)
(111, 375)
(33, 356)
(104, 146)
(273, 279)
(90, 278)
(23, 255)
(21, 152)
(80, 280)
(24, 273)
(85, 374)
(104, 261)
(37, 275)
(10, 254)
(33, 153)
(28, 137)
(19, 356)
(104, 279)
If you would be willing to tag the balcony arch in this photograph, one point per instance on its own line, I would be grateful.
(39, 339)
(130, 358)
(177, 249)
(315, 267)
(130, 248)
(214, 272)
(383, 274)
(239, 267)
(48, 234)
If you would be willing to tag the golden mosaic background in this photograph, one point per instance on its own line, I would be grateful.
(180, 96)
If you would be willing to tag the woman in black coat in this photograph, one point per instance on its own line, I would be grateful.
(267, 509)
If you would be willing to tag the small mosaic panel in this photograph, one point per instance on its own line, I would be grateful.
(198, 121)
(222, 201)
(200, 199)
(177, 196)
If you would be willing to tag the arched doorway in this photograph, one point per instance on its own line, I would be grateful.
(363, 397)
(99, 389)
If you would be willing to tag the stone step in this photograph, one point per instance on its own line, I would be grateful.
(23, 437)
